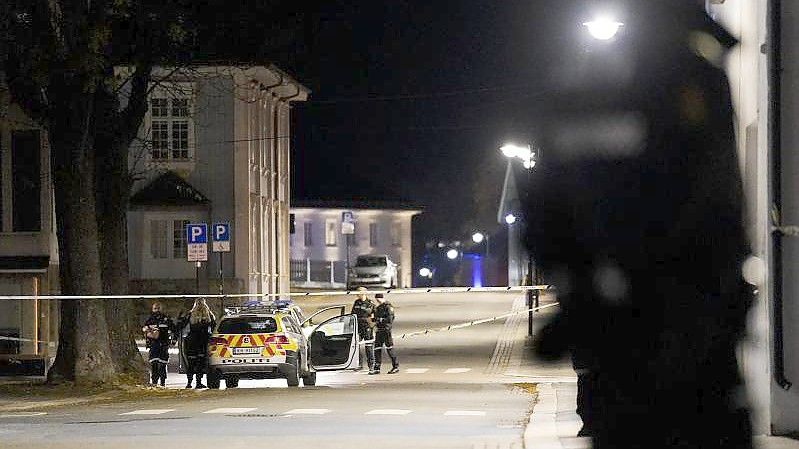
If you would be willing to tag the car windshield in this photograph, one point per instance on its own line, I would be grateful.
(247, 325)
(370, 261)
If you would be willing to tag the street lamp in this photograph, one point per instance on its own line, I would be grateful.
(478, 237)
(603, 28)
(452, 254)
(523, 152)
(510, 219)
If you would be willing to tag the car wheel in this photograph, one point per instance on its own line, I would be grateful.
(309, 380)
(213, 379)
(232, 382)
(293, 376)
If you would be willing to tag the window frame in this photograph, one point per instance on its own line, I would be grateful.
(307, 234)
(374, 238)
(179, 235)
(174, 115)
(331, 238)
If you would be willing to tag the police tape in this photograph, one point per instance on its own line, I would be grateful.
(403, 291)
(476, 322)
(48, 343)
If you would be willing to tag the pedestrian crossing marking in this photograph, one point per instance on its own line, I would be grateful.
(464, 413)
(457, 370)
(417, 370)
(307, 411)
(149, 412)
(388, 412)
(231, 410)
(22, 414)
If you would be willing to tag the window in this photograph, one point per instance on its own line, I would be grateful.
(331, 226)
(158, 239)
(170, 128)
(396, 235)
(247, 325)
(179, 243)
(180, 139)
(26, 181)
(373, 241)
(307, 229)
(160, 139)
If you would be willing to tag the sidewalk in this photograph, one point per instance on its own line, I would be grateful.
(554, 422)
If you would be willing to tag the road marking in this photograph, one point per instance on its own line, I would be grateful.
(464, 413)
(307, 411)
(22, 414)
(417, 370)
(230, 411)
(457, 370)
(387, 412)
(149, 412)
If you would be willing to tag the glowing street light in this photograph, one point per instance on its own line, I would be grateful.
(478, 237)
(603, 28)
(426, 272)
(452, 254)
(523, 152)
(510, 219)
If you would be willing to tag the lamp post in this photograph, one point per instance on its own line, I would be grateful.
(528, 157)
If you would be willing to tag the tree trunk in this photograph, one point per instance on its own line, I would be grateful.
(112, 212)
(113, 193)
(83, 354)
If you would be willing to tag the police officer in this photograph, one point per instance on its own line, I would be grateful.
(157, 330)
(384, 318)
(364, 309)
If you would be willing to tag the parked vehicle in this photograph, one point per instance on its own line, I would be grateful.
(373, 271)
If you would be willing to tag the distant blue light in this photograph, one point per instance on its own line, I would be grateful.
(477, 271)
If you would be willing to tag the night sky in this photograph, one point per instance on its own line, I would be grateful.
(412, 99)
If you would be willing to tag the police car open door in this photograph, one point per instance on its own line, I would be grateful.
(334, 344)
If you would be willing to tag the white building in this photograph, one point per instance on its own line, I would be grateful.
(28, 245)
(319, 250)
(214, 148)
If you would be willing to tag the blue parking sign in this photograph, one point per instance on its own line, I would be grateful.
(221, 243)
(197, 242)
(197, 233)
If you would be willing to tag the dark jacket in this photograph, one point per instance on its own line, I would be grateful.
(159, 348)
(384, 316)
(636, 216)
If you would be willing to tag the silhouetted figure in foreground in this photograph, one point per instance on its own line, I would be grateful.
(636, 210)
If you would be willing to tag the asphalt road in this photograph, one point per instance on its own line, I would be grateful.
(456, 389)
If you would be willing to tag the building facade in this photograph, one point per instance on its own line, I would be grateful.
(28, 245)
(214, 148)
(319, 250)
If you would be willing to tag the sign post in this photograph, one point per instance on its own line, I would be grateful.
(347, 229)
(197, 247)
(221, 244)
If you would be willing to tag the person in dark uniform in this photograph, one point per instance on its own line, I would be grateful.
(198, 325)
(364, 309)
(384, 319)
(157, 330)
(637, 219)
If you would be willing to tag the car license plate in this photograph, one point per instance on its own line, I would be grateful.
(240, 351)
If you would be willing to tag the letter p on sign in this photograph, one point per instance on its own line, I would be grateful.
(221, 242)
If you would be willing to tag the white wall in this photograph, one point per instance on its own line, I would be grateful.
(384, 219)
(747, 70)
(147, 267)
